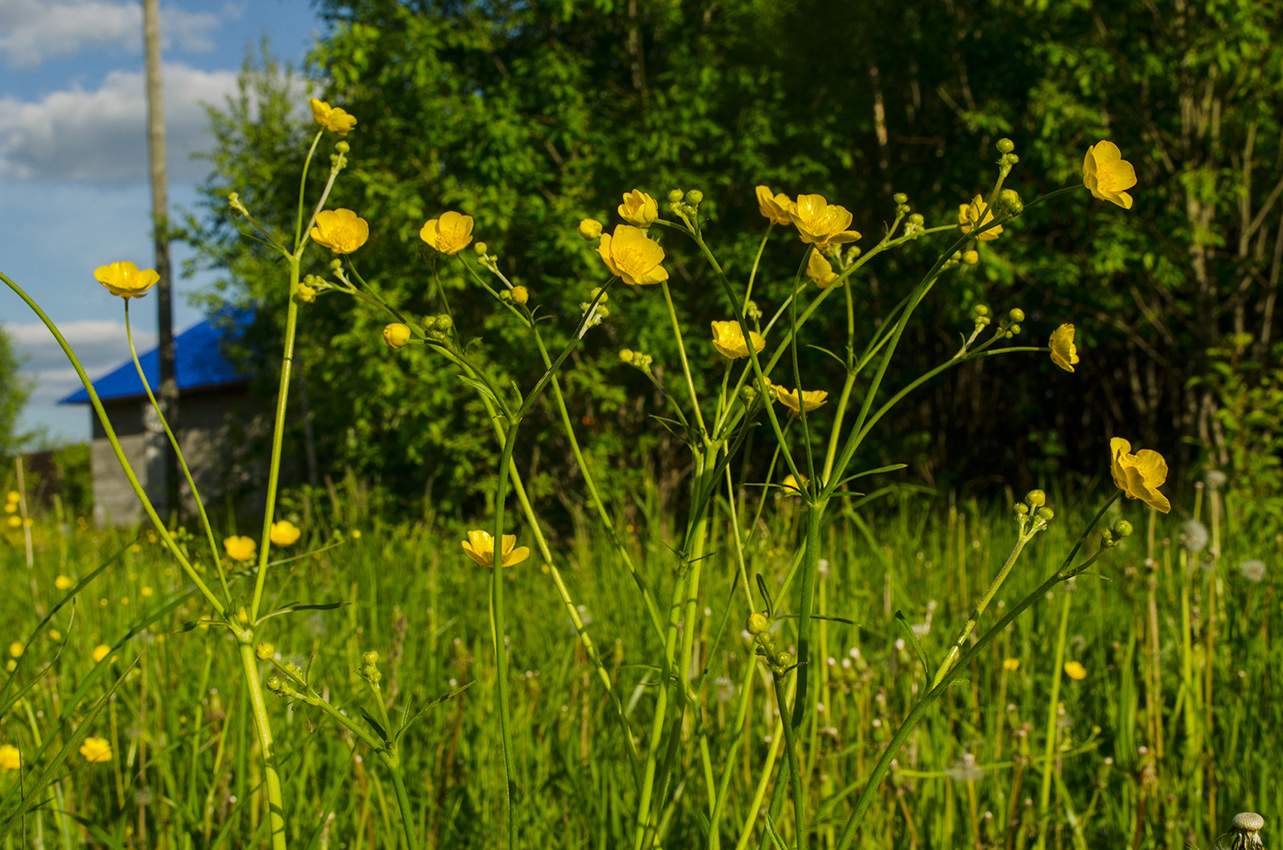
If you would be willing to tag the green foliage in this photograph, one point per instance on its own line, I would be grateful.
(531, 116)
(14, 390)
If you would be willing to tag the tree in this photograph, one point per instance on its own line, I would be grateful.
(14, 391)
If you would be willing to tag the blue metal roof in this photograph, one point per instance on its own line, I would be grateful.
(199, 362)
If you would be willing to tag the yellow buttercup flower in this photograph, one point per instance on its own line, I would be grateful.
(15, 521)
(775, 207)
(1139, 475)
(96, 750)
(240, 548)
(633, 256)
(62, 582)
(1107, 175)
(16, 649)
(342, 231)
(10, 757)
(969, 218)
(791, 486)
(820, 223)
(332, 118)
(480, 548)
(101, 651)
(449, 234)
(396, 335)
(1063, 351)
(811, 399)
(820, 270)
(13, 496)
(728, 339)
(1075, 671)
(639, 209)
(1011, 664)
(590, 229)
(126, 279)
(284, 533)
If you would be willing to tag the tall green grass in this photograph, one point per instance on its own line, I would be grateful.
(1171, 732)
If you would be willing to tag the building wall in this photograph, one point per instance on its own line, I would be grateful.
(216, 429)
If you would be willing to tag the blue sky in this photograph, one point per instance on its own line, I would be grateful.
(73, 164)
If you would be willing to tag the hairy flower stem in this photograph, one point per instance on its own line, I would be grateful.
(272, 777)
(500, 651)
(810, 566)
(795, 771)
(403, 803)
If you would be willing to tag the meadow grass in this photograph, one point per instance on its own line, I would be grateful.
(185, 767)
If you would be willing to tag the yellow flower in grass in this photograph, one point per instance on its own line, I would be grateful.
(96, 750)
(728, 339)
(240, 548)
(332, 118)
(480, 548)
(63, 582)
(15, 521)
(633, 256)
(10, 757)
(1107, 175)
(639, 209)
(791, 486)
(775, 207)
(1063, 351)
(1139, 475)
(284, 533)
(820, 223)
(101, 651)
(1075, 671)
(16, 649)
(810, 399)
(969, 219)
(341, 230)
(13, 496)
(1011, 664)
(449, 234)
(126, 280)
(820, 270)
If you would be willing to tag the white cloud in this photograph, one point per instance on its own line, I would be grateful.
(100, 345)
(100, 136)
(32, 31)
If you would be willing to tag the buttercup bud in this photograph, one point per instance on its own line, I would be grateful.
(626, 355)
(1021, 509)
(758, 623)
(694, 197)
(265, 651)
(370, 657)
(971, 257)
(396, 335)
(1123, 528)
(343, 147)
(1035, 498)
(480, 248)
(590, 229)
(916, 220)
(783, 659)
(675, 196)
(1046, 514)
(305, 293)
(1013, 330)
(444, 323)
(520, 295)
(1016, 314)
(1006, 146)
(1009, 203)
(900, 198)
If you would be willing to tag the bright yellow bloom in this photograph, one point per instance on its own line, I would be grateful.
(639, 209)
(1139, 475)
(96, 750)
(1011, 664)
(449, 234)
(590, 229)
(284, 533)
(969, 217)
(54, 635)
(10, 757)
(396, 335)
(101, 651)
(13, 496)
(774, 207)
(15, 521)
(820, 223)
(146, 591)
(342, 231)
(480, 548)
(10, 508)
(125, 279)
(332, 118)
(62, 582)
(1075, 671)
(1107, 175)
(16, 649)
(811, 399)
(633, 256)
(240, 548)
(791, 486)
(728, 338)
(1063, 351)
(820, 270)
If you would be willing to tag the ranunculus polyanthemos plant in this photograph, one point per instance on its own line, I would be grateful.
(762, 384)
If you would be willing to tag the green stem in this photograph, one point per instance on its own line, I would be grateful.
(501, 656)
(403, 803)
(262, 726)
(1053, 702)
(810, 567)
(795, 771)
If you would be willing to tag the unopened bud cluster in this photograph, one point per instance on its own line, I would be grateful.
(1111, 537)
(1010, 325)
(1033, 510)
(636, 359)
(437, 328)
(759, 626)
(369, 670)
(594, 309)
(685, 204)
